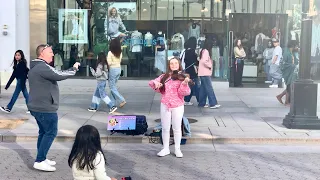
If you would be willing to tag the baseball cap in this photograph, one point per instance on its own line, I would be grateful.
(275, 40)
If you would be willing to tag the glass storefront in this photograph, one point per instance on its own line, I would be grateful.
(80, 29)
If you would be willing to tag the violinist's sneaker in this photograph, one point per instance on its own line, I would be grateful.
(164, 152)
(188, 103)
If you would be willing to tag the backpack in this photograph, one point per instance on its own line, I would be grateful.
(141, 126)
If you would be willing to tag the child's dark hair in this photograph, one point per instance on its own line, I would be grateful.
(102, 59)
(85, 148)
(115, 47)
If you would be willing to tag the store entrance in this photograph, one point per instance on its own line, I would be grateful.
(255, 32)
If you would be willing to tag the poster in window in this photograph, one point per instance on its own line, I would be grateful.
(73, 26)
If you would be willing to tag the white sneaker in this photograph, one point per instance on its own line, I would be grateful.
(43, 166)
(163, 152)
(51, 163)
(188, 103)
(217, 105)
(206, 106)
(178, 153)
(273, 86)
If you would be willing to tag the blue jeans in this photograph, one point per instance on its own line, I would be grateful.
(48, 128)
(206, 91)
(266, 70)
(114, 75)
(194, 91)
(100, 94)
(17, 92)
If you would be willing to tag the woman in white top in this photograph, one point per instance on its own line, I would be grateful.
(86, 158)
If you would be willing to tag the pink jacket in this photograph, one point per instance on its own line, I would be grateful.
(205, 64)
(174, 92)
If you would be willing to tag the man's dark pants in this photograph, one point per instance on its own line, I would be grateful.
(48, 128)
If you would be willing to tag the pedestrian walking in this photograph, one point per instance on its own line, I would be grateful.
(101, 74)
(172, 92)
(44, 102)
(114, 58)
(87, 159)
(205, 73)
(20, 73)
(191, 64)
(289, 69)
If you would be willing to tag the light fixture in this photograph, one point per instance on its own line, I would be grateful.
(228, 11)
(289, 12)
(144, 10)
(217, 1)
(204, 9)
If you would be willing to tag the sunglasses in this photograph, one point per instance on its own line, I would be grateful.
(45, 47)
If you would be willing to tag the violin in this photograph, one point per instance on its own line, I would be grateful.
(181, 76)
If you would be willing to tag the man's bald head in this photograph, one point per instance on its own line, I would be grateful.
(44, 51)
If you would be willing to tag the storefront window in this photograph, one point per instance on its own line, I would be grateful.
(79, 30)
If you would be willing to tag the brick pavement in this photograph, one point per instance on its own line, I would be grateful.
(203, 162)
(247, 115)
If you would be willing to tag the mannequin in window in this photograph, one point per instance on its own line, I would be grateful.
(194, 30)
(148, 44)
(58, 62)
(177, 42)
(113, 23)
(216, 58)
(200, 41)
(160, 53)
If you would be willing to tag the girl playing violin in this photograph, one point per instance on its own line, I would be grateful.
(173, 86)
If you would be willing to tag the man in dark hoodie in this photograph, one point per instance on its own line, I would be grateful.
(44, 102)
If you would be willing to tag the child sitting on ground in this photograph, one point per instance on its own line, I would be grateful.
(87, 159)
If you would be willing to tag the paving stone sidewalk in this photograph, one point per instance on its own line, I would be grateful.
(247, 115)
(201, 161)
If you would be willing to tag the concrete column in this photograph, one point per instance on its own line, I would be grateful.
(14, 15)
(7, 42)
(23, 27)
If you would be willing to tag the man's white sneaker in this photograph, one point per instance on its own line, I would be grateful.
(163, 152)
(178, 153)
(188, 103)
(273, 86)
(43, 166)
(206, 106)
(51, 163)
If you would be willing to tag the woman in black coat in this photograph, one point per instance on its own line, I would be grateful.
(191, 63)
(20, 72)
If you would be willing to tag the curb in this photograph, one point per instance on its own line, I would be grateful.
(190, 140)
